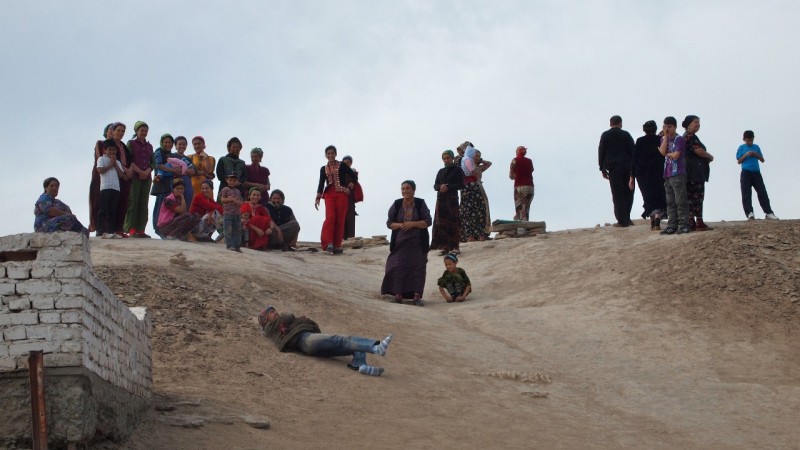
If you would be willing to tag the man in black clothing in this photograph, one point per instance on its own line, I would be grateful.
(283, 216)
(615, 157)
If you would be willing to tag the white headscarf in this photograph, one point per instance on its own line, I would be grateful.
(468, 161)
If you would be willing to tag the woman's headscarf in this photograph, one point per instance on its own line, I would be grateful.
(452, 156)
(105, 130)
(250, 192)
(468, 161)
(164, 136)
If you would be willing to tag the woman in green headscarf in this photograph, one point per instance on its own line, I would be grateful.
(447, 221)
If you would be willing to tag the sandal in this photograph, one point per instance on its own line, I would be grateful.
(419, 302)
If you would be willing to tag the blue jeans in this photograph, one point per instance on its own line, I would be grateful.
(233, 230)
(329, 345)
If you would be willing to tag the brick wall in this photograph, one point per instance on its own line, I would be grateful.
(54, 303)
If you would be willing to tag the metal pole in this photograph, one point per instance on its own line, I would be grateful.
(36, 372)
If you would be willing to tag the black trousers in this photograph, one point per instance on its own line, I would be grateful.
(107, 211)
(749, 181)
(618, 177)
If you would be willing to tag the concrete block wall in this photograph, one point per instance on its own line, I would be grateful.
(50, 300)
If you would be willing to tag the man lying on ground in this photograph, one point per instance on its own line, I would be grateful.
(303, 334)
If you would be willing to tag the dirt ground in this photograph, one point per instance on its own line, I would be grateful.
(593, 338)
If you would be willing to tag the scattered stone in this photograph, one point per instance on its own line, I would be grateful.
(164, 408)
(257, 422)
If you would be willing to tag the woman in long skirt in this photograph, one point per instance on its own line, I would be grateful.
(409, 219)
(648, 169)
(474, 208)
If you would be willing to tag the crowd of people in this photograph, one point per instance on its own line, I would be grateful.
(672, 170)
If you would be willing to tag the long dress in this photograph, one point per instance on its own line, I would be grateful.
(350, 218)
(408, 254)
(260, 219)
(648, 168)
(94, 189)
(447, 221)
(43, 223)
(474, 210)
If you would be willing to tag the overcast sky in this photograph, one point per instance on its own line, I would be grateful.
(394, 84)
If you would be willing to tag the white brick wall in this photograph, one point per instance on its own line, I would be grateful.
(56, 304)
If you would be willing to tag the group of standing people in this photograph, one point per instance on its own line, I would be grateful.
(125, 175)
(671, 170)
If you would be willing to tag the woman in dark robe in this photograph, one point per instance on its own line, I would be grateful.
(447, 221)
(697, 172)
(350, 218)
(648, 169)
(409, 219)
(123, 156)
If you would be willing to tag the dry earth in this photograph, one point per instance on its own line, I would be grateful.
(595, 338)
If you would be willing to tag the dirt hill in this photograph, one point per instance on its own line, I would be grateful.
(595, 338)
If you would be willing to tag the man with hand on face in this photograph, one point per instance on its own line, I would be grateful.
(283, 216)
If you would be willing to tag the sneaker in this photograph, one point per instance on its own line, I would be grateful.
(771, 216)
(112, 236)
(669, 230)
(106, 236)
(419, 302)
(338, 251)
(751, 216)
(683, 230)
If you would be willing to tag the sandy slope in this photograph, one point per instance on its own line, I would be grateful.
(597, 338)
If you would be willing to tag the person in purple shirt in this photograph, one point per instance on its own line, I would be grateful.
(258, 176)
(673, 148)
(141, 155)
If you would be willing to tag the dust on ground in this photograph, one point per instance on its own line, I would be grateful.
(592, 338)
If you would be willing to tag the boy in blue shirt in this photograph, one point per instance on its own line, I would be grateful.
(748, 156)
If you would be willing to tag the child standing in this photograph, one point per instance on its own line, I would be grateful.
(110, 170)
(748, 156)
(231, 198)
(673, 147)
(454, 284)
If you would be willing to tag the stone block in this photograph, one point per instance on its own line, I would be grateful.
(70, 303)
(7, 363)
(70, 271)
(38, 287)
(24, 348)
(71, 316)
(72, 287)
(19, 304)
(43, 303)
(16, 242)
(18, 273)
(14, 334)
(5, 319)
(72, 346)
(40, 332)
(68, 254)
(39, 240)
(3, 350)
(24, 318)
(50, 317)
(41, 272)
(63, 360)
(67, 333)
(2, 271)
(7, 289)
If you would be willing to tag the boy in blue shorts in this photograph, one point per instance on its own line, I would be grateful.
(749, 155)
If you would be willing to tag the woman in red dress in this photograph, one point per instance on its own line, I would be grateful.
(260, 224)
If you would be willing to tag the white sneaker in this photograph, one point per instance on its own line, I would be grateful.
(771, 216)
(113, 236)
(751, 216)
(105, 236)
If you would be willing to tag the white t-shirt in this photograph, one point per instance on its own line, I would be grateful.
(110, 178)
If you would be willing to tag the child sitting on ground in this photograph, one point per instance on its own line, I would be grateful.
(454, 283)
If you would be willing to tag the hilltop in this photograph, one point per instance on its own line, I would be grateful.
(591, 338)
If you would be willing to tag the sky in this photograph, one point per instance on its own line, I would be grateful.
(393, 84)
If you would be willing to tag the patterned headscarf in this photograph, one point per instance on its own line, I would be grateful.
(199, 138)
(257, 151)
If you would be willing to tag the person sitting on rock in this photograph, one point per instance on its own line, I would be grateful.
(454, 284)
(285, 237)
(303, 334)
